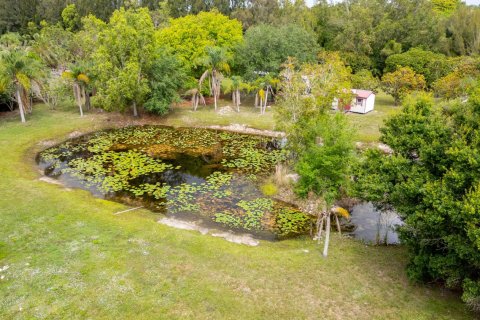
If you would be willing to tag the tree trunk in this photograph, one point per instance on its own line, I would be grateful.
(237, 100)
(256, 99)
(338, 225)
(20, 104)
(30, 102)
(135, 111)
(78, 98)
(327, 235)
(320, 227)
(87, 99)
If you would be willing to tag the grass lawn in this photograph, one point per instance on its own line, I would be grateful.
(367, 125)
(70, 257)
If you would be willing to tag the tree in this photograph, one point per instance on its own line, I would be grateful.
(166, 77)
(325, 166)
(54, 45)
(257, 12)
(445, 7)
(321, 141)
(364, 79)
(401, 82)
(432, 181)
(190, 36)
(18, 69)
(459, 82)
(267, 47)
(264, 87)
(306, 92)
(78, 75)
(235, 85)
(463, 37)
(71, 18)
(216, 62)
(123, 56)
(431, 65)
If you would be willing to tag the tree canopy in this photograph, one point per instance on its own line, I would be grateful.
(267, 47)
(189, 36)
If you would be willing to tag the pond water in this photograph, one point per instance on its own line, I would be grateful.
(209, 177)
(375, 226)
(188, 173)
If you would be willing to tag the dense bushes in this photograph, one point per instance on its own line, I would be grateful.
(433, 181)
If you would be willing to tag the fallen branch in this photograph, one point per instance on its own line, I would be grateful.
(128, 210)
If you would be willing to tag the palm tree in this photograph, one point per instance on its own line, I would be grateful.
(197, 97)
(235, 85)
(18, 69)
(80, 81)
(325, 219)
(264, 88)
(216, 62)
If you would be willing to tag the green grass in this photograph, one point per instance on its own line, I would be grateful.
(368, 125)
(205, 116)
(70, 257)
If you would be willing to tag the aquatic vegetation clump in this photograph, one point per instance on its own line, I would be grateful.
(114, 171)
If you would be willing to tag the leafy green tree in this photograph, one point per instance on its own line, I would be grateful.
(190, 36)
(401, 82)
(166, 77)
(18, 69)
(431, 65)
(54, 45)
(267, 47)
(308, 91)
(459, 82)
(432, 181)
(70, 18)
(325, 164)
(320, 140)
(364, 79)
(445, 7)
(257, 12)
(123, 56)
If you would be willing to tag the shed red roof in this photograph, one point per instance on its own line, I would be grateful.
(364, 94)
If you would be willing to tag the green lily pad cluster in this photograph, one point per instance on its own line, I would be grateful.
(114, 171)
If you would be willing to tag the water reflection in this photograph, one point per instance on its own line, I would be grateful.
(374, 226)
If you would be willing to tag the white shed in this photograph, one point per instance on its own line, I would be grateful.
(363, 101)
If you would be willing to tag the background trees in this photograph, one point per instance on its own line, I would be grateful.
(267, 47)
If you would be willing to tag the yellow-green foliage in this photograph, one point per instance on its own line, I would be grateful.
(189, 36)
(269, 189)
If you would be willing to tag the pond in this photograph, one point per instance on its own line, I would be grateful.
(188, 173)
(375, 226)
